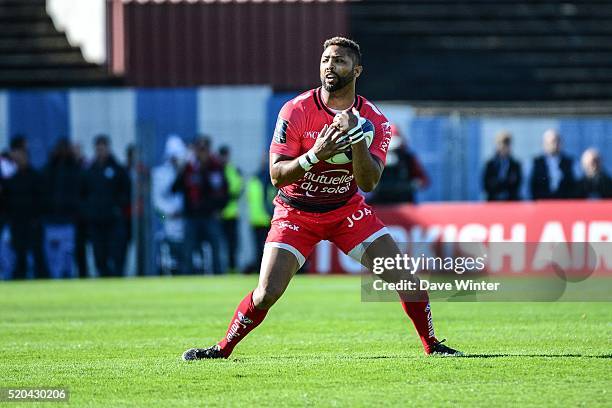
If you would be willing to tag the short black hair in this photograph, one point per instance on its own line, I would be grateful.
(18, 142)
(102, 139)
(203, 140)
(224, 150)
(344, 42)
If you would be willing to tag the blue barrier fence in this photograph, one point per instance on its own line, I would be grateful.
(452, 148)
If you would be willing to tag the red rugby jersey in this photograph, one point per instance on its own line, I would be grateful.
(325, 186)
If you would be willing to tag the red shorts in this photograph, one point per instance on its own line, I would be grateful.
(351, 227)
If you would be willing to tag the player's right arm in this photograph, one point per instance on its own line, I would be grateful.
(287, 162)
(285, 170)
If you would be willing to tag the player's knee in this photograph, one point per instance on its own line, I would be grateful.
(265, 296)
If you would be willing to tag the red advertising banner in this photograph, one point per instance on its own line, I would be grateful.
(532, 227)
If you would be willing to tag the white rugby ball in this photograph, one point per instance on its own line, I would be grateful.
(346, 156)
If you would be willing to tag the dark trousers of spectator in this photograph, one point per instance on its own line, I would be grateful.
(108, 239)
(198, 230)
(171, 257)
(58, 244)
(80, 247)
(230, 227)
(27, 236)
(260, 233)
(136, 238)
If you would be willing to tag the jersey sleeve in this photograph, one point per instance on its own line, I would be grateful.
(382, 137)
(286, 139)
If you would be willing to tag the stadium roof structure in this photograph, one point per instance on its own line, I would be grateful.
(234, 1)
(33, 52)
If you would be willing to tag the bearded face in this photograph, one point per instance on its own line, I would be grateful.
(333, 81)
(337, 68)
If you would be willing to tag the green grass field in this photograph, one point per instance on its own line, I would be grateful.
(119, 342)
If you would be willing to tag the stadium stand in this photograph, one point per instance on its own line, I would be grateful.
(34, 53)
(485, 50)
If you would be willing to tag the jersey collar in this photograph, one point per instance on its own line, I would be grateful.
(357, 103)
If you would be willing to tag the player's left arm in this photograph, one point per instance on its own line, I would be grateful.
(367, 168)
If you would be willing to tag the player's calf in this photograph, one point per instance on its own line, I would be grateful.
(278, 267)
(415, 302)
(264, 297)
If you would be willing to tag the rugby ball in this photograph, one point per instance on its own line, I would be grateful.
(346, 156)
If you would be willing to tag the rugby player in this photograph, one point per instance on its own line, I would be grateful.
(318, 194)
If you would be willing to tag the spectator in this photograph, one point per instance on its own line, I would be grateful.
(138, 175)
(205, 191)
(230, 213)
(105, 192)
(131, 168)
(552, 174)
(80, 239)
(260, 193)
(596, 183)
(24, 209)
(170, 205)
(62, 175)
(7, 169)
(403, 176)
(503, 175)
(61, 186)
(203, 140)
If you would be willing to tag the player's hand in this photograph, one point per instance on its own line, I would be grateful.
(329, 143)
(346, 120)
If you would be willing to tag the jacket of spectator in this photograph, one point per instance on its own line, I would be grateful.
(502, 179)
(235, 185)
(205, 188)
(105, 190)
(502, 175)
(597, 187)
(546, 186)
(25, 204)
(169, 205)
(552, 175)
(596, 183)
(62, 176)
(205, 191)
(24, 195)
(403, 175)
(7, 169)
(260, 194)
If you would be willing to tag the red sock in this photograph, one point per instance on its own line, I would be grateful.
(420, 314)
(245, 319)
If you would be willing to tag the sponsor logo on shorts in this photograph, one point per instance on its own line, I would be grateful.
(358, 216)
(289, 225)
